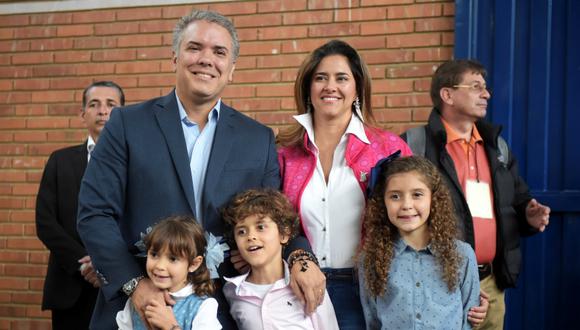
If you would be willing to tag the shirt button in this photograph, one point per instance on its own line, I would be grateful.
(324, 229)
(323, 199)
(472, 168)
(418, 284)
(418, 316)
(323, 258)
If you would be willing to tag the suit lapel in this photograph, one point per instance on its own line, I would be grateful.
(167, 114)
(79, 162)
(222, 143)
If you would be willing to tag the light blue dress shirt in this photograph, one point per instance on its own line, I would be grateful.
(198, 149)
(417, 297)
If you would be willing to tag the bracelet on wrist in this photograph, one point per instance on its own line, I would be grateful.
(302, 256)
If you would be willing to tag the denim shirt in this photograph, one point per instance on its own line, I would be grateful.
(417, 297)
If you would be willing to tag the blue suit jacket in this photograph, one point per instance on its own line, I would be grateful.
(139, 173)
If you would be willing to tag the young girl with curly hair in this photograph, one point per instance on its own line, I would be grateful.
(175, 263)
(413, 272)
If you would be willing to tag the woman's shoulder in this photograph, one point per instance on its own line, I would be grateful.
(390, 140)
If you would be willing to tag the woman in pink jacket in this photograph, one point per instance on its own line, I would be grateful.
(325, 160)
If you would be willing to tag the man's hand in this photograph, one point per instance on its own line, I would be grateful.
(145, 294)
(88, 271)
(239, 263)
(308, 284)
(476, 315)
(538, 215)
(159, 315)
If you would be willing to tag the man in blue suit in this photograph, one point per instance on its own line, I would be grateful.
(184, 153)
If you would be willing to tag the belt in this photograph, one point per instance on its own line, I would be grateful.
(484, 271)
(340, 274)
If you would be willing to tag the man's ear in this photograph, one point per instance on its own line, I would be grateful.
(445, 95)
(284, 236)
(174, 60)
(195, 263)
(231, 75)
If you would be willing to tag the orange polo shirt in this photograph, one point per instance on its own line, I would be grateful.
(471, 163)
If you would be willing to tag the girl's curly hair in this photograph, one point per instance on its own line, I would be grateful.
(262, 203)
(183, 236)
(377, 246)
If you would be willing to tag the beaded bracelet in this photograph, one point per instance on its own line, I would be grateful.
(302, 256)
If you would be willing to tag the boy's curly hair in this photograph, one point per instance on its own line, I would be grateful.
(183, 236)
(377, 246)
(262, 203)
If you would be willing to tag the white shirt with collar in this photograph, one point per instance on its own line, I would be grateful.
(90, 147)
(332, 212)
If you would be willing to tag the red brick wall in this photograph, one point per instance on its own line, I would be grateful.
(47, 59)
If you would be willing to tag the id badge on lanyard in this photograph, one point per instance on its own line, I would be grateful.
(479, 199)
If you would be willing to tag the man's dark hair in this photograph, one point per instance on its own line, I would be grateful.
(450, 74)
(103, 84)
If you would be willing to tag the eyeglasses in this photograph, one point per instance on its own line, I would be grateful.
(478, 88)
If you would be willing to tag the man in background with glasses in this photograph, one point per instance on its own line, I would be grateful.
(492, 202)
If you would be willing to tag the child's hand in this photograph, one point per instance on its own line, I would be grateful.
(159, 315)
(239, 263)
(476, 315)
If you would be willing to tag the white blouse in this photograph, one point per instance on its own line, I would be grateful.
(332, 211)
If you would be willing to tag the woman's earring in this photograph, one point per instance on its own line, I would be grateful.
(357, 109)
(308, 105)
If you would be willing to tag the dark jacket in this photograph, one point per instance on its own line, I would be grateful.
(511, 195)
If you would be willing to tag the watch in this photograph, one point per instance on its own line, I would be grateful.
(129, 287)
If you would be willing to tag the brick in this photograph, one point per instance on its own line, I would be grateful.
(116, 28)
(31, 84)
(74, 30)
(256, 76)
(12, 149)
(157, 80)
(329, 30)
(12, 123)
(422, 85)
(421, 114)
(79, 56)
(289, 74)
(378, 101)
(449, 9)
(256, 104)
(259, 48)
(156, 26)
(287, 103)
(29, 136)
(64, 109)
(141, 41)
(53, 70)
(32, 58)
(138, 14)
(388, 56)
(275, 118)
(5, 59)
(35, 32)
(13, 311)
(14, 20)
(92, 69)
(94, 16)
(239, 8)
(47, 123)
(26, 270)
(17, 97)
(11, 203)
(408, 100)
(22, 216)
(179, 11)
(76, 83)
(275, 90)
(325, 4)
(51, 44)
(365, 3)
(360, 14)
(33, 324)
(246, 62)
(414, 11)
(24, 243)
(13, 256)
(387, 27)
(435, 24)
(6, 190)
(393, 115)
(141, 94)
(15, 46)
(392, 86)
(27, 298)
(248, 34)
(95, 42)
(6, 33)
(52, 96)
(414, 40)
(10, 229)
(283, 32)
(302, 46)
(239, 91)
(51, 19)
(113, 55)
(314, 17)
(34, 176)
(38, 258)
(448, 39)
(281, 5)
(137, 67)
(149, 53)
(263, 20)
(280, 61)
(7, 110)
(12, 176)
(124, 82)
(433, 54)
(413, 70)
(25, 189)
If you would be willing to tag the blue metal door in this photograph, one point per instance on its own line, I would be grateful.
(532, 52)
